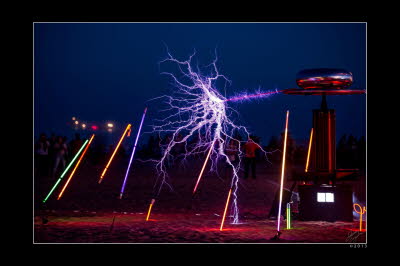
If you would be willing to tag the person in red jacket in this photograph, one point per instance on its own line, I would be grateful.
(250, 158)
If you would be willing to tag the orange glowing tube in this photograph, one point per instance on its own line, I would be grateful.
(309, 150)
(361, 212)
(204, 166)
(226, 207)
(151, 206)
(115, 151)
(76, 166)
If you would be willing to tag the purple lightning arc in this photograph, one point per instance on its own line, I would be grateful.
(197, 110)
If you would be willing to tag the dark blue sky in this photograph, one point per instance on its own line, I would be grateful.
(106, 71)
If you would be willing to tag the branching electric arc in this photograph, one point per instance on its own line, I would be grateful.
(198, 118)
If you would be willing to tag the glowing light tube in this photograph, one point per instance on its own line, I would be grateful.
(309, 150)
(361, 212)
(115, 151)
(204, 166)
(283, 171)
(65, 171)
(226, 207)
(76, 166)
(288, 218)
(329, 144)
(133, 152)
(151, 206)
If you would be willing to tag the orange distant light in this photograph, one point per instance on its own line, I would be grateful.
(76, 122)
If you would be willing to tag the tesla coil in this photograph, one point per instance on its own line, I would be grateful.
(322, 197)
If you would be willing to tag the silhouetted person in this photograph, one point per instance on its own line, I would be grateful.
(42, 154)
(290, 150)
(250, 158)
(286, 197)
(353, 144)
(52, 140)
(178, 148)
(60, 153)
(164, 144)
(68, 148)
(362, 153)
(76, 144)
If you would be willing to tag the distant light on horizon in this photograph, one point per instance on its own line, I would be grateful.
(84, 125)
(94, 127)
(73, 118)
(76, 122)
(110, 125)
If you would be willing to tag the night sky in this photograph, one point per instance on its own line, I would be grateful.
(107, 71)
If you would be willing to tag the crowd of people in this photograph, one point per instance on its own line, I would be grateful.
(249, 148)
(52, 153)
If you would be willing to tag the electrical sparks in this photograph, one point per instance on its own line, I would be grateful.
(65, 171)
(76, 166)
(115, 151)
(283, 171)
(133, 152)
(245, 96)
(198, 120)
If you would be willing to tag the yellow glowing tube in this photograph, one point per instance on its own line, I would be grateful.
(151, 206)
(226, 207)
(283, 171)
(309, 150)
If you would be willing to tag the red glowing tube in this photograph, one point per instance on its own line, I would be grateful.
(226, 207)
(329, 144)
(283, 170)
(115, 151)
(151, 206)
(309, 149)
(76, 166)
(361, 212)
(204, 166)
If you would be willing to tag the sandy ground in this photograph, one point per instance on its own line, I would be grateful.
(184, 228)
(90, 212)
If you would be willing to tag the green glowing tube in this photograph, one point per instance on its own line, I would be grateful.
(288, 218)
(65, 171)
